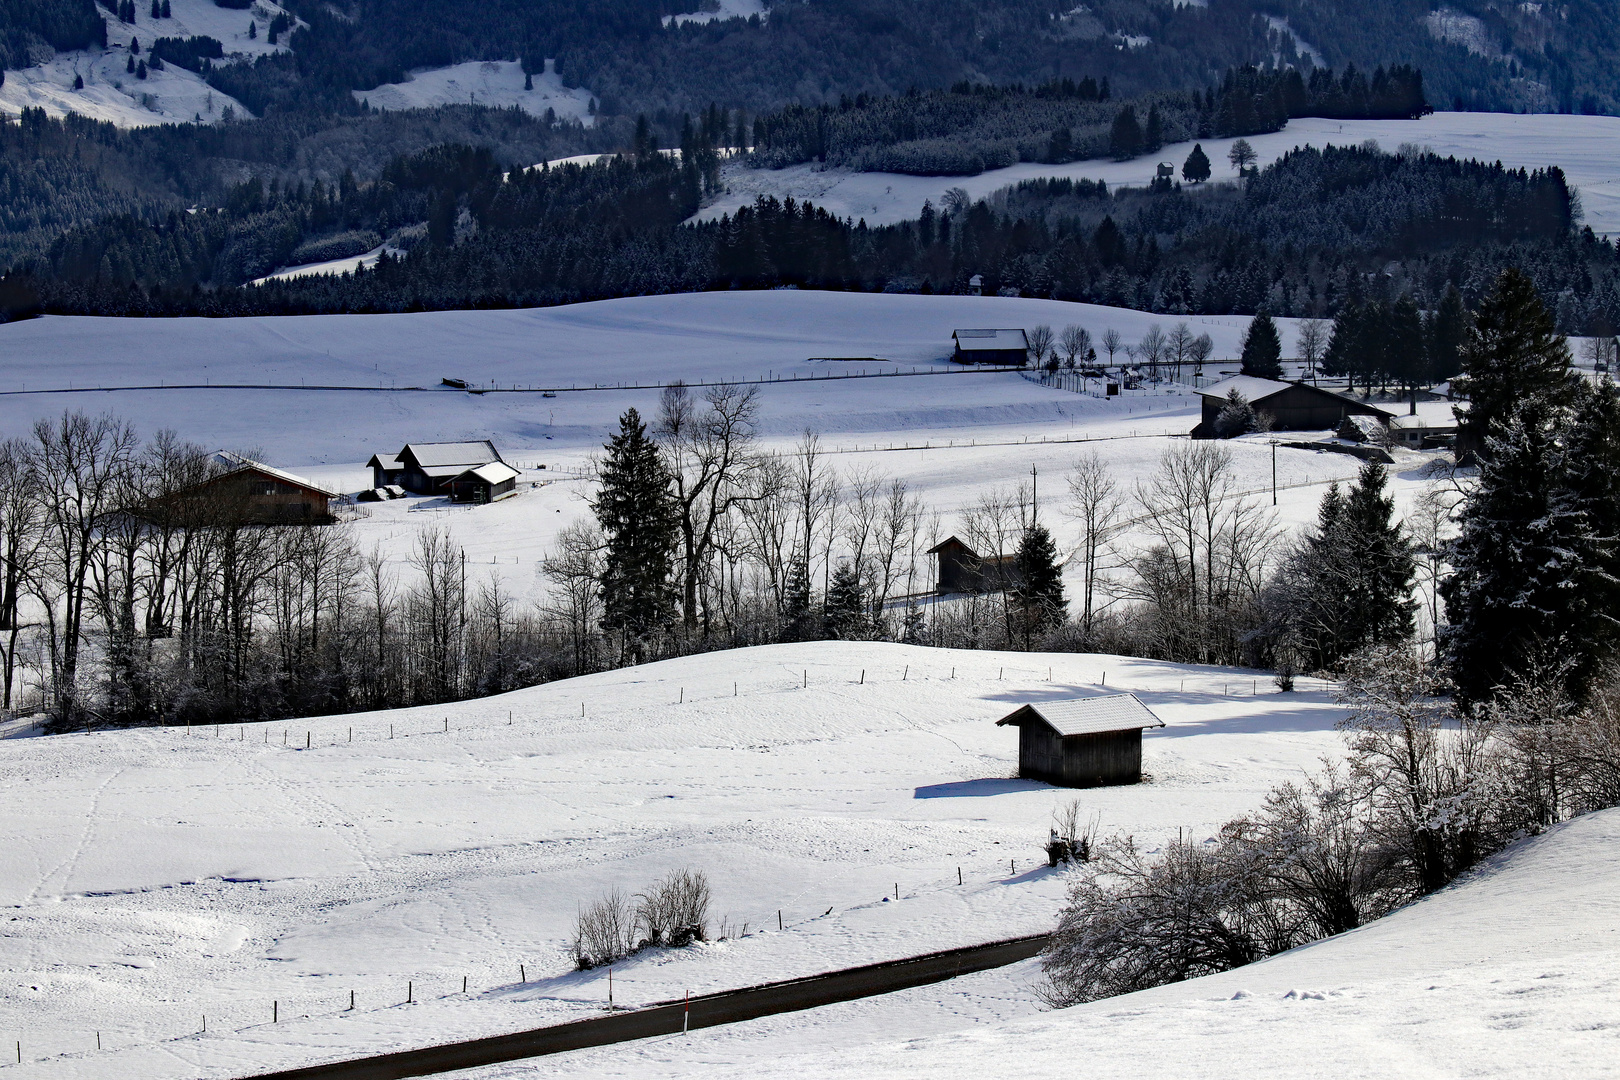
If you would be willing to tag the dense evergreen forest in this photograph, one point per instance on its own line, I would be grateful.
(973, 127)
(1305, 236)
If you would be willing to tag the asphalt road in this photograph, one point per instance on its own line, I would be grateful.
(668, 1018)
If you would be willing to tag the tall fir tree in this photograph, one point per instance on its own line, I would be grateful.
(1406, 351)
(1447, 334)
(1196, 169)
(1038, 592)
(1514, 581)
(1514, 359)
(1349, 583)
(846, 604)
(1262, 349)
(636, 512)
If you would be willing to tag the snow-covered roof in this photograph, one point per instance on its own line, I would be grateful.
(458, 455)
(990, 340)
(1251, 388)
(1090, 715)
(1426, 423)
(235, 462)
(495, 472)
(390, 462)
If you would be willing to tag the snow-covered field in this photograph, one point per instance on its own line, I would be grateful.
(970, 431)
(1512, 972)
(1585, 147)
(152, 877)
(496, 83)
(173, 95)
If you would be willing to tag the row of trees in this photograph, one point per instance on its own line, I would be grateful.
(134, 590)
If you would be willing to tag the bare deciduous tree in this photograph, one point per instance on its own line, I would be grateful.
(1040, 343)
(1096, 504)
(1312, 343)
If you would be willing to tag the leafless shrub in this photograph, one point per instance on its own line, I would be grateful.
(605, 930)
(675, 911)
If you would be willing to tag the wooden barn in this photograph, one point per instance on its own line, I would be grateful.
(1082, 742)
(959, 569)
(248, 492)
(1008, 347)
(484, 484)
(428, 468)
(1292, 406)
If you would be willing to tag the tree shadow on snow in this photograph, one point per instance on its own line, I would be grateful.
(974, 789)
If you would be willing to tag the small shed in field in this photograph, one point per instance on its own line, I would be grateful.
(485, 484)
(1082, 742)
(1008, 347)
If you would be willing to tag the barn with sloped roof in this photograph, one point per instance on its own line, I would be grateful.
(1082, 742)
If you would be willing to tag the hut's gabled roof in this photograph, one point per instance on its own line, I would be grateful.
(235, 463)
(991, 340)
(1088, 715)
(444, 455)
(496, 472)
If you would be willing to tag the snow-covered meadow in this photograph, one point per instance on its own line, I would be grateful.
(499, 84)
(151, 877)
(968, 432)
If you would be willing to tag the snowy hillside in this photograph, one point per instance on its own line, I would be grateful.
(1510, 973)
(719, 11)
(1585, 147)
(173, 95)
(496, 83)
(155, 876)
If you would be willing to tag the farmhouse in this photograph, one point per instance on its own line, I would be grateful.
(991, 347)
(958, 569)
(1291, 406)
(248, 492)
(1082, 742)
(484, 484)
(428, 468)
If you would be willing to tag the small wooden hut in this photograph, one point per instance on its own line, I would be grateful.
(1082, 742)
(485, 484)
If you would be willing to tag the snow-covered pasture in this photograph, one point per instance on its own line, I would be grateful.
(151, 877)
(497, 83)
(973, 431)
(1585, 147)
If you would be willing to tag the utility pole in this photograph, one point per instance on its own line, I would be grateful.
(1273, 472)
(1034, 499)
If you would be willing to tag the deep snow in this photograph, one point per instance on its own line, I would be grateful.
(155, 876)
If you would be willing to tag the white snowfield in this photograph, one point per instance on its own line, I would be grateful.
(332, 266)
(967, 432)
(1585, 147)
(173, 95)
(1512, 972)
(496, 83)
(151, 877)
(720, 11)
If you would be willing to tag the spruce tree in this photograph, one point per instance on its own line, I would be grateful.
(1153, 133)
(1514, 359)
(1262, 349)
(1406, 352)
(1515, 594)
(1038, 592)
(1447, 334)
(846, 604)
(1196, 170)
(1125, 138)
(636, 512)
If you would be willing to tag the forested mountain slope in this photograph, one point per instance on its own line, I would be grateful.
(1475, 53)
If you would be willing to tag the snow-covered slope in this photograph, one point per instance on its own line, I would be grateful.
(1513, 972)
(154, 876)
(719, 11)
(1585, 147)
(496, 83)
(173, 95)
